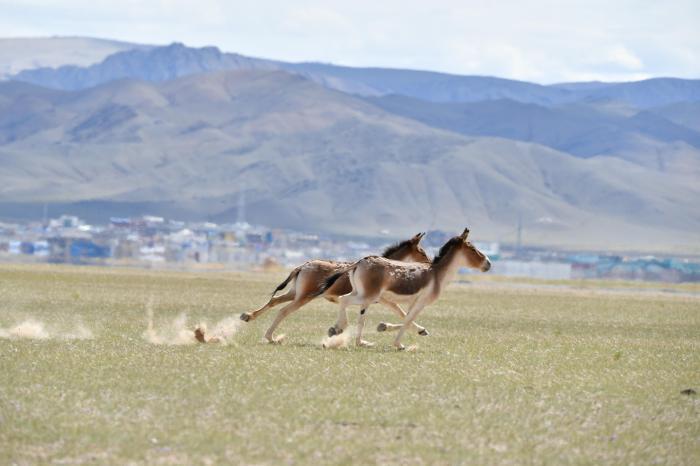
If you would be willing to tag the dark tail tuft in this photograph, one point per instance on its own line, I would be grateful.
(328, 282)
(282, 285)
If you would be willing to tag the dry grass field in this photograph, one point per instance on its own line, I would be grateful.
(513, 373)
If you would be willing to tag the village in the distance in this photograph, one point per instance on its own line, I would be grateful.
(156, 242)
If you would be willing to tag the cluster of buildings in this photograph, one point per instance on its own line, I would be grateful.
(151, 240)
(634, 268)
(576, 266)
(154, 241)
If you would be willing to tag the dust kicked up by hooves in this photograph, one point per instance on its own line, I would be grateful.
(221, 332)
(37, 330)
(337, 341)
(179, 332)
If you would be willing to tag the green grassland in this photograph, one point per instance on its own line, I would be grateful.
(509, 375)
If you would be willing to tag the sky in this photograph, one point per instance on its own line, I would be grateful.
(541, 41)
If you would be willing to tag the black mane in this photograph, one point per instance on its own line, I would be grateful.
(446, 248)
(395, 247)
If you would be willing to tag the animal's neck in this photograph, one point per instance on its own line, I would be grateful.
(446, 270)
(397, 256)
(403, 258)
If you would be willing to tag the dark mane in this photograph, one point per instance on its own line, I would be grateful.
(395, 248)
(446, 248)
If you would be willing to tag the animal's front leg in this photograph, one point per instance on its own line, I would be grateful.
(389, 327)
(410, 317)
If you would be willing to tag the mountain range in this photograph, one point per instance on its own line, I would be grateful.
(187, 132)
(177, 60)
(18, 54)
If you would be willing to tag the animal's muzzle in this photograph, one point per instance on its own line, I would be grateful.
(487, 266)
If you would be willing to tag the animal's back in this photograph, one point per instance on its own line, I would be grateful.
(323, 266)
(384, 263)
(396, 277)
(314, 273)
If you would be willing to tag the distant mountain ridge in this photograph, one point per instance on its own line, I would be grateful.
(177, 60)
(155, 64)
(18, 54)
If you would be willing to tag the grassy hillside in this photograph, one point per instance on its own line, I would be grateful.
(581, 130)
(683, 113)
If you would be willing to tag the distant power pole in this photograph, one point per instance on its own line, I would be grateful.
(240, 217)
(519, 241)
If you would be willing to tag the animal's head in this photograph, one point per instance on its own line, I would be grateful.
(416, 251)
(408, 251)
(463, 250)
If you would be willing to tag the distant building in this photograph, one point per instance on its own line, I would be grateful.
(541, 270)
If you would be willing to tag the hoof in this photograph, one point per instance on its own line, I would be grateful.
(334, 331)
(245, 317)
(199, 335)
(381, 327)
(401, 348)
(365, 344)
(423, 333)
(276, 340)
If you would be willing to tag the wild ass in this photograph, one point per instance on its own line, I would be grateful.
(308, 279)
(375, 279)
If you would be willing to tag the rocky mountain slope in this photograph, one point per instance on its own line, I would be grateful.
(315, 159)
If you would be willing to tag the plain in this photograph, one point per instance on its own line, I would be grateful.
(520, 373)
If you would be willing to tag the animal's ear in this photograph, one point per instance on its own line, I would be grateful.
(418, 237)
(464, 234)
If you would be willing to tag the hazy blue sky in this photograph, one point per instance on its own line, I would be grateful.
(544, 41)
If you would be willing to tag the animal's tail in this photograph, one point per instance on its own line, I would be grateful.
(328, 282)
(292, 275)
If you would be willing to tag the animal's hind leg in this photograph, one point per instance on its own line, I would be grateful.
(281, 315)
(388, 327)
(274, 301)
(342, 322)
(360, 326)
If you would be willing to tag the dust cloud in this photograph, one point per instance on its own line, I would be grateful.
(35, 329)
(178, 332)
(337, 341)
